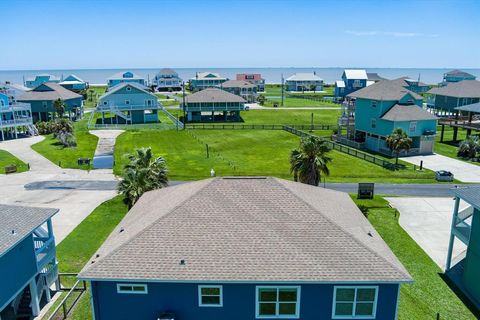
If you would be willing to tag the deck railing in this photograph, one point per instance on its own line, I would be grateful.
(133, 107)
(234, 126)
(71, 298)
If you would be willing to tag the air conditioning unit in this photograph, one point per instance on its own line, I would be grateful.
(167, 316)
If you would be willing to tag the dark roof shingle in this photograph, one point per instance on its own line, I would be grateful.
(48, 91)
(385, 90)
(213, 95)
(407, 113)
(462, 89)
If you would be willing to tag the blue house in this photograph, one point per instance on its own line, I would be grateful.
(203, 80)
(128, 103)
(454, 95)
(74, 83)
(384, 106)
(300, 82)
(213, 104)
(464, 270)
(269, 249)
(42, 98)
(40, 79)
(27, 260)
(456, 76)
(352, 80)
(126, 76)
(167, 80)
(15, 117)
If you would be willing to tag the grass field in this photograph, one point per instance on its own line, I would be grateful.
(448, 147)
(51, 149)
(276, 90)
(290, 102)
(247, 152)
(93, 93)
(275, 116)
(429, 294)
(6, 158)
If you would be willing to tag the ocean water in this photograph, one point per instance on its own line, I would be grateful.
(271, 75)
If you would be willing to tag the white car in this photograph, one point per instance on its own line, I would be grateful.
(443, 175)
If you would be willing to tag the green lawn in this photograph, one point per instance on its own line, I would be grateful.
(51, 149)
(448, 147)
(276, 90)
(429, 294)
(6, 158)
(292, 102)
(247, 152)
(93, 93)
(275, 116)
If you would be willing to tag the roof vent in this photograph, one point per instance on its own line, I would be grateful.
(14, 232)
(182, 262)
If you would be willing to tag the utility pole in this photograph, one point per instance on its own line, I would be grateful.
(184, 106)
(282, 90)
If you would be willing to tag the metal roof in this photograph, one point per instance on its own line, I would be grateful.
(304, 77)
(410, 112)
(340, 84)
(355, 74)
(18, 222)
(245, 229)
(470, 194)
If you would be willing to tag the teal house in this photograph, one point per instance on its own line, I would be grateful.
(413, 85)
(464, 271)
(352, 80)
(42, 98)
(125, 76)
(454, 95)
(15, 117)
(457, 76)
(37, 80)
(203, 80)
(74, 83)
(384, 106)
(27, 260)
(213, 104)
(128, 103)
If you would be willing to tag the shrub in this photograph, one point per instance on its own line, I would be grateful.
(67, 139)
(469, 148)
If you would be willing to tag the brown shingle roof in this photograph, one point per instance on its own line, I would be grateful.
(238, 84)
(404, 83)
(245, 229)
(49, 91)
(213, 95)
(462, 89)
(407, 113)
(385, 90)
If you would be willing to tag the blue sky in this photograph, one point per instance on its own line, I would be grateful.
(48, 34)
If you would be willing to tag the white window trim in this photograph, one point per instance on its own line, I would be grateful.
(132, 285)
(354, 302)
(257, 303)
(412, 125)
(373, 123)
(200, 304)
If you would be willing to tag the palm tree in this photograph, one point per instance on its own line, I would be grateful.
(310, 161)
(142, 173)
(398, 141)
(469, 147)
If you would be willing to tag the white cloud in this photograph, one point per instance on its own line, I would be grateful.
(389, 34)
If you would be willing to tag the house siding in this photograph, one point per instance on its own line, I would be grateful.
(316, 302)
(450, 103)
(21, 262)
(471, 274)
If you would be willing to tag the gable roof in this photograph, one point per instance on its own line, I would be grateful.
(207, 75)
(474, 107)
(122, 85)
(238, 84)
(72, 77)
(410, 112)
(304, 77)
(18, 222)
(49, 91)
(459, 73)
(166, 72)
(120, 76)
(385, 90)
(213, 95)
(355, 74)
(406, 81)
(374, 77)
(340, 84)
(51, 77)
(461, 89)
(245, 229)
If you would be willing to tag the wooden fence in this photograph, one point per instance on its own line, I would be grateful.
(260, 126)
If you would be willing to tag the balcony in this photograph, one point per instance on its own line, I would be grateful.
(462, 224)
(129, 107)
(44, 250)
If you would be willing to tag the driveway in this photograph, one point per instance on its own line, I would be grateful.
(75, 192)
(462, 171)
(103, 158)
(428, 222)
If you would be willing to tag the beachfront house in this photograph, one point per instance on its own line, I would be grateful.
(167, 80)
(125, 76)
(15, 117)
(128, 103)
(412, 84)
(352, 80)
(244, 89)
(456, 76)
(300, 82)
(255, 78)
(464, 269)
(384, 106)
(27, 260)
(43, 97)
(203, 80)
(454, 95)
(213, 104)
(270, 249)
(39, 79)
(74, 83)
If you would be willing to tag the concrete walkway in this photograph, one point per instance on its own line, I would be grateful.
(103, 158)
(75, 204)
(428, 222)
(461, 170)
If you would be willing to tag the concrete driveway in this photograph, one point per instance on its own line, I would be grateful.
(462, 171)
(70, 193)
(428, 222)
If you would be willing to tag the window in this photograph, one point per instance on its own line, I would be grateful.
(354, 302)
(278, 302)
(127, 101)
(132, 288)
(413, 126)
(105, 103)
(374, 123)
(374, 104)
(128, 88)
(356, 83)
(210, 296)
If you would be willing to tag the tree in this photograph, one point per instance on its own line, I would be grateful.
(313, 87)
(398, 141)
(142, 173)
(469, 147)
(59, 107)
(261, 99)
(310, 161)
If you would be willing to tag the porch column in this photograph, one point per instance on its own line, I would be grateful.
(452, 236)
(35, 303)
(442, 133)
(455, 132)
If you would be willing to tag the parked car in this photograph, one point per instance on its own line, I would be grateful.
(443, 175)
